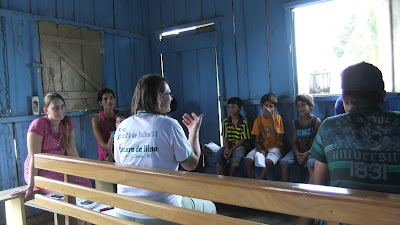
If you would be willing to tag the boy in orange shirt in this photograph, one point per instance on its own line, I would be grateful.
(269, 131)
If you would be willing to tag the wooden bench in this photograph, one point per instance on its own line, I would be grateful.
(314, 201)
(14, 206)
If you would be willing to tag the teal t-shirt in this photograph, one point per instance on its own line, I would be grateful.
(361, 148)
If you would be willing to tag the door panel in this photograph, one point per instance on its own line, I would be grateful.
(192, 76)
(73, 64)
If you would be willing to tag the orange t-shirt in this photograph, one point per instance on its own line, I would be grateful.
(263, 126)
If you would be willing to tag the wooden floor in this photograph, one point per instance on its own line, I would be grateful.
(222, 209)
(45, 218)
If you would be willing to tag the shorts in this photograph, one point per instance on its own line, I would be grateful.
(290, 159)
(274, 154)
(235, 158)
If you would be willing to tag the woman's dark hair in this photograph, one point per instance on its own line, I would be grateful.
(102, 92)
(47, 100)
(147, 94)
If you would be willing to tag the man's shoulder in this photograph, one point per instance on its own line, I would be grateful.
(334, 120)
(395, 113)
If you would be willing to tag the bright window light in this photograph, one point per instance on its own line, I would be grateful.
(177, 31)
(332, 35)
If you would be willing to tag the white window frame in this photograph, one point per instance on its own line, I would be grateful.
(395, 34)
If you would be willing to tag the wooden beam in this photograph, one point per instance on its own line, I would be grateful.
(315, 201)
(142, 206)
(69, 41)
(187, 43)
(28, 16)
(79, 212)
(77, 94)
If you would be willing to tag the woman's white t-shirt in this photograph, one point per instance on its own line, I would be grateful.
(149, 140)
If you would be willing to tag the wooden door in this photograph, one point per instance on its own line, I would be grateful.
(190, 65)
(72, 64)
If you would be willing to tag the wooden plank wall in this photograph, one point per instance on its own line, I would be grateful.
(244, 49)
(124, 62)
(243, 37)
(254, 51)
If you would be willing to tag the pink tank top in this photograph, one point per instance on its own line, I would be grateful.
(105, 130)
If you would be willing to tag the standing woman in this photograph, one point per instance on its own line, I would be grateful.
(53, 134)
(104, 123)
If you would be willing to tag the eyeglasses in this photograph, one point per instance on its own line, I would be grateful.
(168, 93)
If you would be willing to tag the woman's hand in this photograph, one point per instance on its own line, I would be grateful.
(26, 192)
(193, 123)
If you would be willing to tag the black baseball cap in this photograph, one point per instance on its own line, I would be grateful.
(362, 77)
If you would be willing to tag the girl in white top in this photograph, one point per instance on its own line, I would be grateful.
(151, 139)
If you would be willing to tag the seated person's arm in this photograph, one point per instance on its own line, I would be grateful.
(227, 149)
(295, 147)
(321, 174)
(228, 153)
(97, 132)
(318, 124)
(237, 145)
(321, 177)
(280, 138)
(275, 133)
(34, 147)
(71, 149)
(193, 124)
(110, 149)
(259, 147)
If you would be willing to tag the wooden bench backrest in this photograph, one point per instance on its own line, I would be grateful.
(322, 202)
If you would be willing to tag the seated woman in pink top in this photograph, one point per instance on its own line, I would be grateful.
(53, 134)
(104, 123)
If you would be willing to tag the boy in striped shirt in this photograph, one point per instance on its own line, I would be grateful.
(236, 133)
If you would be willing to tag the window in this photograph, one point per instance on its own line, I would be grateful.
(330, 35)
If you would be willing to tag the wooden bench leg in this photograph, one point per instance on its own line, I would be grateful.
(15, 211)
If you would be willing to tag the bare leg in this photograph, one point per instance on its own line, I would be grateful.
(250, 168)
(285, 173)
(310, 170)
(264, 171)
(220, 169)
(232, 171)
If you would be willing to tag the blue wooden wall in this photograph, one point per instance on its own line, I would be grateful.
(125, 60)
(253, 52)
(248, 45)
